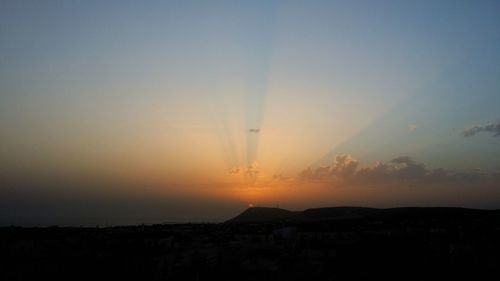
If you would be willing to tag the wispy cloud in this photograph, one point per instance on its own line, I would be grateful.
(489, 128)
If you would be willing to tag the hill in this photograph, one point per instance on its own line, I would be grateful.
(263, 214)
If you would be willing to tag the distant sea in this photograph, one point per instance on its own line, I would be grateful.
(95, 221)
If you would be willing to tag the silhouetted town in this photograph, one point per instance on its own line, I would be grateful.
(267, 244)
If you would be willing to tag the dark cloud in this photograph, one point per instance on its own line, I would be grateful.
(378, 172)
(406, 168)
(489, 128)
(438, 174)
(400, 168)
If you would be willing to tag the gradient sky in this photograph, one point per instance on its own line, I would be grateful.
(128, 112)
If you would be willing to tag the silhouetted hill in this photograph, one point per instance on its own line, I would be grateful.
(330, 213)
(262, 214)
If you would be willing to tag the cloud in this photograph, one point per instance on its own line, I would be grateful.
(438, 174)
(306, 174)
(489, 128)
(251, 170)
(399, 168)
(344, 165)
(408, 169)
(378, 172)
(403, 168)
(318, 173)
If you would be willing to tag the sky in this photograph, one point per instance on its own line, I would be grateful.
(125, 112)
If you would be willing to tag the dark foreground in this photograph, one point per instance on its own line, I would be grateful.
(438, 244)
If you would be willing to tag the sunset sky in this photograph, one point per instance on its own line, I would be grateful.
(155, 111)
